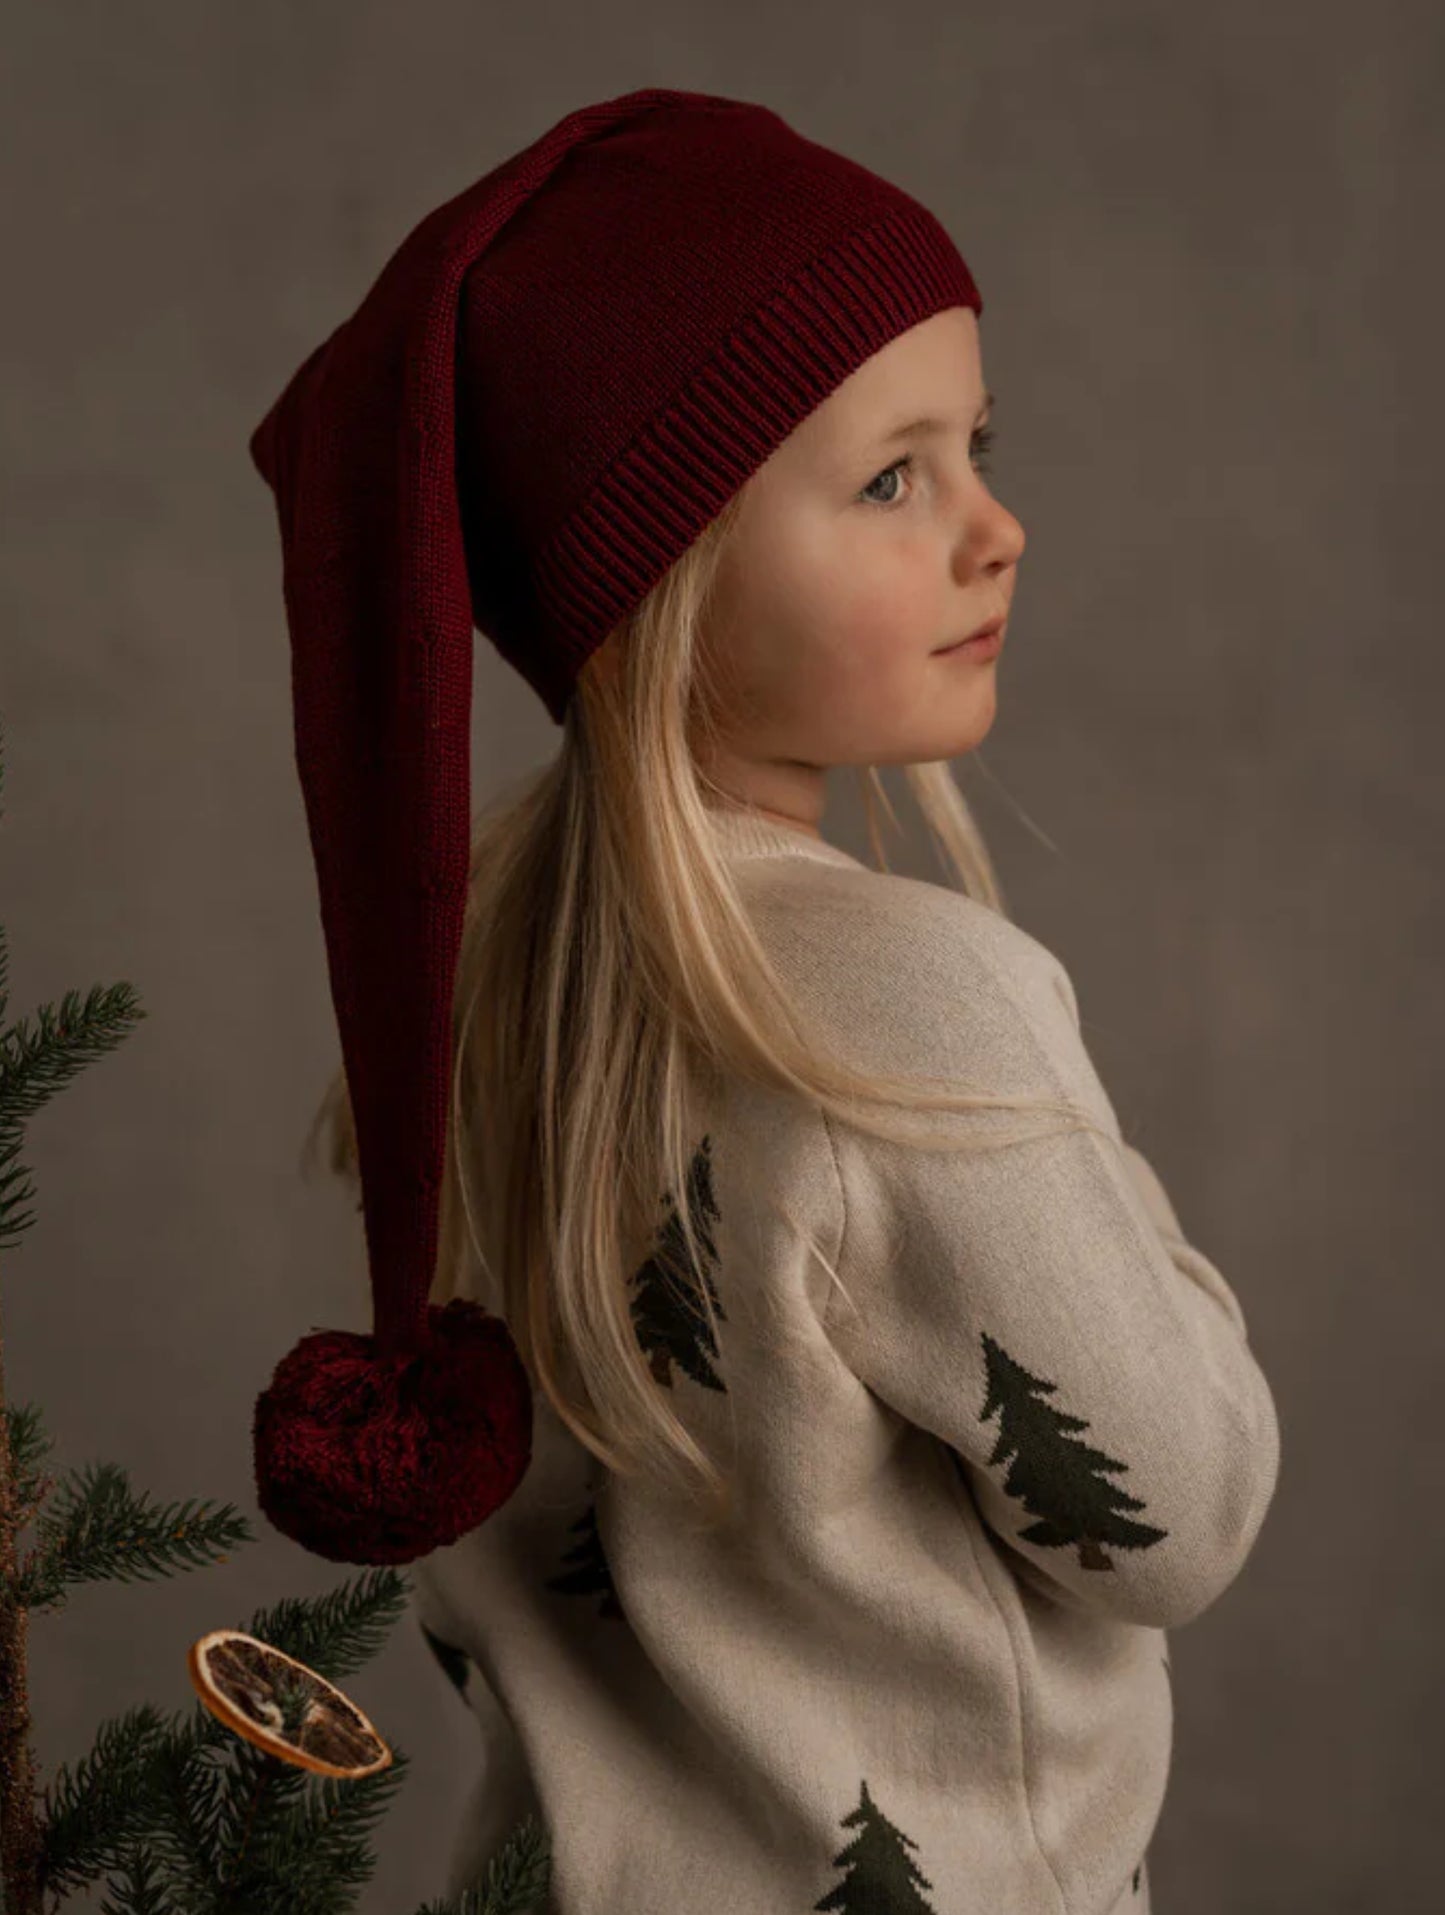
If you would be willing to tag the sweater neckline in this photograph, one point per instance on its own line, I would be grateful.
(748, 834)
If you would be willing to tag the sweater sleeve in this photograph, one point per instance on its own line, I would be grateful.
(1037, 1307)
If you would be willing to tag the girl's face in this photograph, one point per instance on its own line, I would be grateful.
(860, 550)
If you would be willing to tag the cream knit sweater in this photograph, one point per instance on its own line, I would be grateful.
(1013, 1436)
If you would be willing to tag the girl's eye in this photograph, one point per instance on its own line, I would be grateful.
(982, 439)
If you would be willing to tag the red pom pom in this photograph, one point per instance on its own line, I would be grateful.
(362, 1458)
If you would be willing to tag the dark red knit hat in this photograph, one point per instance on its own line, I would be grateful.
(555, 383)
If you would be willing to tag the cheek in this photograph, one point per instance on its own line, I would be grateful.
(825, 627)
(891, 613)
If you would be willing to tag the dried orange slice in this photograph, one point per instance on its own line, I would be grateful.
(282, 1706)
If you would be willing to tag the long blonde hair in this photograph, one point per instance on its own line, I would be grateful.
(606, 960)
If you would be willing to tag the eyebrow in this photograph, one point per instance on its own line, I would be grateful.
(933, 425)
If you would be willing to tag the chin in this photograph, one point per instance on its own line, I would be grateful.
(936, 745)
(969, 732)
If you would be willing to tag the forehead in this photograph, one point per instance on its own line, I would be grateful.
(934, 369)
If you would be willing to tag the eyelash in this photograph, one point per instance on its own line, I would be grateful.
(983, 438)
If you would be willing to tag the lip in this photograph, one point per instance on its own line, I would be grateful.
(983, 643)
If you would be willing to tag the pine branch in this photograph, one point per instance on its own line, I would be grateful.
(29, 1445)
(516, 1881)
(29, 1441)
(35, 1064)
(340, 1631)
(318, 1857)
(138, 1886)
(15, 1187)
(261, 1804)
(183, 1790)
(338, 1817)
(97, 1529)
(232, 1824)
(92, 1811)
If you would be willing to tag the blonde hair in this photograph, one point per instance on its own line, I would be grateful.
(606, 961)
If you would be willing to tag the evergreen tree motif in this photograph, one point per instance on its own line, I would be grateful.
(881, 1879)
(455, 1663)
(592, 1575)
(1057, 1478)
(671, 1325)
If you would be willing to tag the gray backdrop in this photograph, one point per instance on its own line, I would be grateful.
(1213, 787)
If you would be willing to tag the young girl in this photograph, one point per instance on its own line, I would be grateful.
(835, 1449)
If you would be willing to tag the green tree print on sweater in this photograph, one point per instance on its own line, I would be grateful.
(881, 1879)
(590, 1574)
(673, 1330)
(1057, 1478)
(671, 1325)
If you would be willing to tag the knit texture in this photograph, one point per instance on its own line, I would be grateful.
(633, 358)
(1014, 1435)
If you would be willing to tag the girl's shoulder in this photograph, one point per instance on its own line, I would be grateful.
(903, 937)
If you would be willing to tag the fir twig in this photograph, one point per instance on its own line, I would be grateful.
(138, 1886)
(339, 1631)
(96, 1529)
(313, 1857)
(184, 1791)
(516, 1880)
(34, 1065)
(92, 1810)
(29, 1443)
